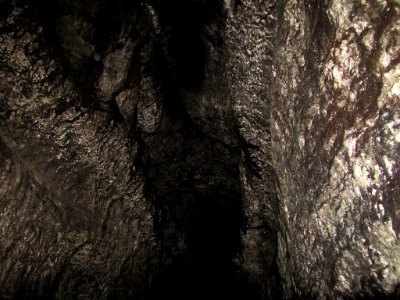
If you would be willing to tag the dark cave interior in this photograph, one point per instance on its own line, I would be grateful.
(188, 149)
(196, 192)
(192, 179)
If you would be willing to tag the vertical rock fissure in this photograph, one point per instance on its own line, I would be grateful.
(192, 174)
(194, 183)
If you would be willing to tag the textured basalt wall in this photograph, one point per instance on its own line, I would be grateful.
(335, 146)
(74, 219)
(245, 149)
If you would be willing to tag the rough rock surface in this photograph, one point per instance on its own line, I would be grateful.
(173, 149)
(74, 219)
(335, 146)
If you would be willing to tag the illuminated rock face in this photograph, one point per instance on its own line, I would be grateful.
(335, 146)
(241, 149)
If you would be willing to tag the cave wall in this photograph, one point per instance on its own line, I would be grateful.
(335, 146)
(315, 96)
(136, 137)
(74, 219)
(249, 37)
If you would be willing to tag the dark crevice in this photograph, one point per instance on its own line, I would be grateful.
(198, 203)
(192, 179)
(195, 186)
(183, 23)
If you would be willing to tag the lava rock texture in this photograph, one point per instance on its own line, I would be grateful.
(199, 149)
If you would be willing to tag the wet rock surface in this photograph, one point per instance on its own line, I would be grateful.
(338, 173)
(199, 149)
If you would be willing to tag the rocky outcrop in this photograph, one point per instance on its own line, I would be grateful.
(245, 149)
